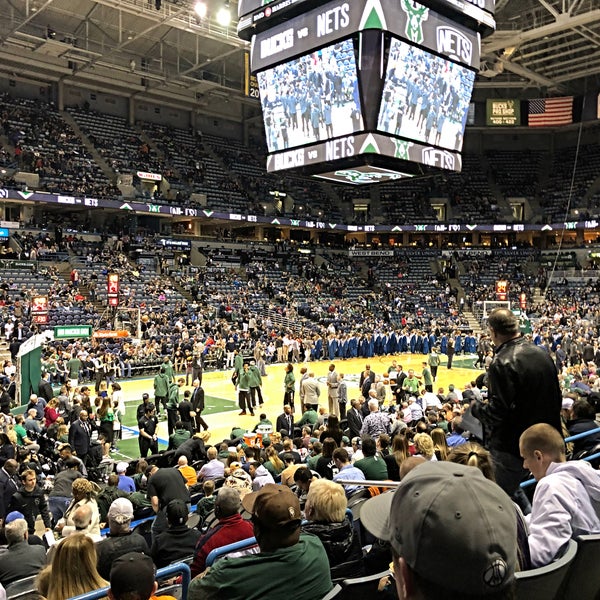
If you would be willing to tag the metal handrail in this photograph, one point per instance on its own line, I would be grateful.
(174, 569)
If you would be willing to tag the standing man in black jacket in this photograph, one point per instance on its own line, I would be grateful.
(523, 390)
(197, 401)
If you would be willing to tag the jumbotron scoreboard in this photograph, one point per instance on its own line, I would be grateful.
(364, 91)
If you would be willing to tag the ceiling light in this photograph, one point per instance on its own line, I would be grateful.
(224, 16)
(200, 9)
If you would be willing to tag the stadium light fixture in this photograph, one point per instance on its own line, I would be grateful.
(224, 15)
(200, 9)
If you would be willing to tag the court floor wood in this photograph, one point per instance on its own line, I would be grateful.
(218, 384)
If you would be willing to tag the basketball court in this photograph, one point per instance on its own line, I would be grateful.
(222, 412)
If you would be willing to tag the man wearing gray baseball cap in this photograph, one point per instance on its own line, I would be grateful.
(453, 534)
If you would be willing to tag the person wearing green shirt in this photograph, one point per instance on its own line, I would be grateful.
(255, 385)
(285, 553)
(289, 384)
(310, 417)
(372, 465)
(73, 367)
(161, 388)
(179, 435)
(243, 387)
(173, 403)
(169, 370)
(427, 377)
(411, 383)
(238, 363)
(262, 421)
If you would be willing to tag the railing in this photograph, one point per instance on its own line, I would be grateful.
(174, 569)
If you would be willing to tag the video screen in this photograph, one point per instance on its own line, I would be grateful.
(312, 98)
(425, 97)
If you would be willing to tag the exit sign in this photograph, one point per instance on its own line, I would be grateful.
(72, 331)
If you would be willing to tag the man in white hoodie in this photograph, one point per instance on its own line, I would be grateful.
(260, 476)
(566, 502)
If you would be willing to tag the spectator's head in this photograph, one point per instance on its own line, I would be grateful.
(182, 461)
(276, 516)
(212, 453)
(303, 478)
(449, 548)
(326, 502)
(29, 479)
(208, 487)
(227, 503)
(456, 426)
(16, 530)
(409, 464)
(240, 481)
(113, 480)
(424, 445)
(11, 466)
(472, 454)
(333, 422)
(329, 445)
(120, 515)
(369, 446)
(121, 467)
(582, 409)
(177, 513)
(83, 488)
(132, 577)
(539, 446)
(503, 325)
(82, 517)
(341, 457)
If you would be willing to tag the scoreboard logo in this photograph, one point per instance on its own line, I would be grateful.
(277, 43)
(454, 44)
(438, 158)
(416, 14)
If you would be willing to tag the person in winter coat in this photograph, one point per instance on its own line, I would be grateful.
(566, 498)
(325, 511)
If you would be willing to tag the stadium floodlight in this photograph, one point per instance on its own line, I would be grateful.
(200, 9)
(224, 15)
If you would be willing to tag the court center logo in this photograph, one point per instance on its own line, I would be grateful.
(416, 15)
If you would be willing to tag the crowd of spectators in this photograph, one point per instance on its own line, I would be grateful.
(232, 175)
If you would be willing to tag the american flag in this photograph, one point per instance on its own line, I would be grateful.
(551, 111)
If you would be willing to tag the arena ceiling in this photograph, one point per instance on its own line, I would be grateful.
(168, 55)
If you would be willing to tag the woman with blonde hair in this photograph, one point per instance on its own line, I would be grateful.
(473, 455)
(440, 447)
(424, 446)
(72, 571)
(325, 510)
(274, 464)
(62, 434)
